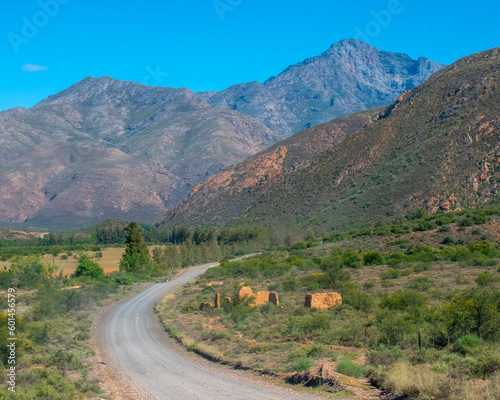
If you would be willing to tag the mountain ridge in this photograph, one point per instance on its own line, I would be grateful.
(105, 148)
(434, 148)
(348, 77)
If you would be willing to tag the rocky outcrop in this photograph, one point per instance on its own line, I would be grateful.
(323, 301)
(217, 300)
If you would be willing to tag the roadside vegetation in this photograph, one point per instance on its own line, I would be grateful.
(420, 298)
(420, 314)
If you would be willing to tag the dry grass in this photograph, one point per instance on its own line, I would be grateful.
(109, 262)
(421, 382)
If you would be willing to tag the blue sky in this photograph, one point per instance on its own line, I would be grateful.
(48, 45)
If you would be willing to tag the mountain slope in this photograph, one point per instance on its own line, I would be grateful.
(350, 76)
(437, 147)
(231, 191)
(106, 148)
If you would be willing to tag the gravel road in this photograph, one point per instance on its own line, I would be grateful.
(151, 366)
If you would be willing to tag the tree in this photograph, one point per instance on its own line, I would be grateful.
(30, 271)
(136, 257)
(473, 312)
(86, 267)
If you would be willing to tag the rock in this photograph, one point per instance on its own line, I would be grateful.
(323, 301)
(228, 300)
(273, 298)
(217, 300)
(206, 305)
(323, 374)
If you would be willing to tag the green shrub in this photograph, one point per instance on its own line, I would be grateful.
(421, 284)
(86, 267)
(291, 284)
(303, 364)
(40, 333)
(403, 299)
(391, 273)
(486, 365)
(347, 367)
(351, 259)
(65, 360)
(449, 240)
(373, 258)
(486, 279)
(385, 355)
(467, 343)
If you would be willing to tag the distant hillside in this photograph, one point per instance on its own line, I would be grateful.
(437, 148)
(105, 148)
(350, 76)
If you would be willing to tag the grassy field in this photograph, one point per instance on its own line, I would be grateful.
(67, 263)
(110, 260)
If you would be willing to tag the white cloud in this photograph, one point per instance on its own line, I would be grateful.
(34, 68)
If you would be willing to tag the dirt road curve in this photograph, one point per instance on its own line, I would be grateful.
(144, 362)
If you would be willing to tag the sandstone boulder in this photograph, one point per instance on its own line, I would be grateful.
(323, 301)
(217, 300)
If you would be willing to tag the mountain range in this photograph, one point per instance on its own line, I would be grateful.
(105, 148)
(436, 148)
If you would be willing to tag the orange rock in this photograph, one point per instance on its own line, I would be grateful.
(323, 301)
(217, 300)
(228, 300)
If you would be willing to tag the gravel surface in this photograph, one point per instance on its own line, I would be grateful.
(140, 361)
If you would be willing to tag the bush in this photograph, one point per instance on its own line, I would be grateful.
(291, 284)
(421, 284)
(65, 361)
(347, 367)
(486, 279)
(89, 268)
(373, 258)
(391, 273)
(449, 240)
(40, 333)
(487, 365)
(403, 299)
(467, 343)
(385, 355)
(351, 259)
(304, 364)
